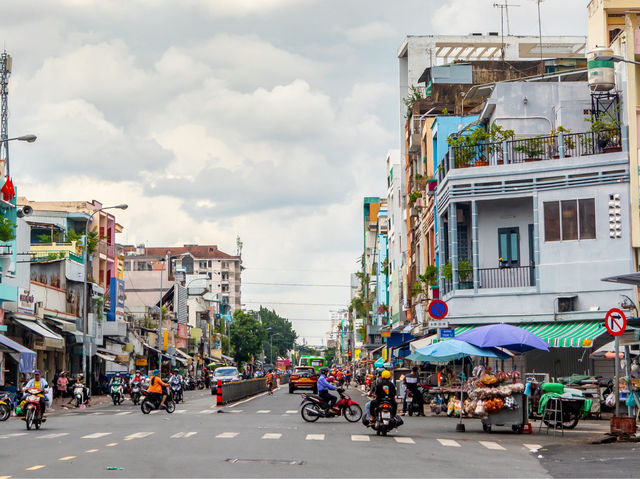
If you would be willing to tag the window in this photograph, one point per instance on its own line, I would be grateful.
(509, 246)
(570, 220)
(127, 265)
(203, 264)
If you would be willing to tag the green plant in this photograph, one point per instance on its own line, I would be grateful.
(430, 276)
(568, 140)
(7, 229)
(45, 238)
(606, 126)
(415, 94)
(468, 146)
(413, 197)
(531, 147)
(465, 271)
(447, 272)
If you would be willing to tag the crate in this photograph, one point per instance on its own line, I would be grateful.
(623, 425)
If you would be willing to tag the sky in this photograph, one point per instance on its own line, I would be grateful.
(212, 119)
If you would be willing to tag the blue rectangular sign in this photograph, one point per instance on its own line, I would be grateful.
(447, 333)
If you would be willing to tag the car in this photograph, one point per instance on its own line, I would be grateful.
(303, 377)
(226, 374)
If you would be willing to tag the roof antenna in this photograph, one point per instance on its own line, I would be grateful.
(504, 12)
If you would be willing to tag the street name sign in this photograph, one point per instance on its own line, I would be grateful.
(448, 333)
(438, 309)
(615, 321)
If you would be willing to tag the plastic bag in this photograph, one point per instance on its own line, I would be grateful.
(610, 400)
(631, 402)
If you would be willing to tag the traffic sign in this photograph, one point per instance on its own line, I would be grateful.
(615, 322)
(438, 309)
(448, 333)
(438, 324)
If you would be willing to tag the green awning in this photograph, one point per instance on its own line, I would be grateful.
(575, 334)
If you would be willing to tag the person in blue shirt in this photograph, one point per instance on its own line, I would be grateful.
(323, 389)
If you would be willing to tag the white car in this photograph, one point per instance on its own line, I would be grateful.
(226, 374)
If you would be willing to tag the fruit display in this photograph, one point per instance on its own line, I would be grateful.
(491, 392)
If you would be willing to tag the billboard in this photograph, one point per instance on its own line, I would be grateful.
(116, 306)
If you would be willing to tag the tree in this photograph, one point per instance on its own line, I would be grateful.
(330, 355)
(247, 336)
(281, 332)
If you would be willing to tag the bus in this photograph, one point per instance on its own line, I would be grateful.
(316, 362)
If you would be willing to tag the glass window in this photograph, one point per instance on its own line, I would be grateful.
(587, 212)
(509, 246)
(569, 220)
(551, 221)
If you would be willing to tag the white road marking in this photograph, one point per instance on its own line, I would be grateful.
(227, 435)
(91, 450)
(263, 411)
(207, 411)
(180, 411)
(189, 434)
(404, 440)
(177, 435)
(52, 436)
(360, 437)
(532, 447)
(123, 413)
(34, 468)
(314, 437)
(137, 435)
(449, 442)
(236, 411)
(292, 411)
(96, 414)
(272, 435)
(185, 435)
(67, 458)
(492, 445)
(96, 435)
(155, 412)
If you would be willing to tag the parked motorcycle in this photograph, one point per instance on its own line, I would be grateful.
(190, 384)
(117, 396)
(313, 408)
(414, 405)
(384, 420)
(5, 407)
(136, 392)
(32, 410)
(152, 403)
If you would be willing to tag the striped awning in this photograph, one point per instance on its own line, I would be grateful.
(575, 334)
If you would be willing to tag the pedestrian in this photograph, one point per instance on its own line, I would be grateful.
(62, 385)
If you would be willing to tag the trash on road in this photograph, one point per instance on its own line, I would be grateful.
(115, 468)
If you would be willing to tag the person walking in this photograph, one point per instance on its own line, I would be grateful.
(61, 386)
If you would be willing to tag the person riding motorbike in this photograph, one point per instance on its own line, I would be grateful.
(175, 380)
(115, 380)
(384, 391)
(411, 382)
(156, 385)
(137, 378)
(86, 396)
(323, 389)
(37, 381)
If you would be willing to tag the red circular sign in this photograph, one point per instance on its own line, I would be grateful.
(438, 309)
(615, 321)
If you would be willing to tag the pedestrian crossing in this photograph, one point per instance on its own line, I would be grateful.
(277, 436)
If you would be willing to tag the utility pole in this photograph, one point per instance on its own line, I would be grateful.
(159, 341)
(5, 72)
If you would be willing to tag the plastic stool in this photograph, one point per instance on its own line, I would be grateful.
(527, 427)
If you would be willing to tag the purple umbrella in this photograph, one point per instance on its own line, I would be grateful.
(504, 336)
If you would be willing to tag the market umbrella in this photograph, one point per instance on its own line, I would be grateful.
(504, 336)
(379, 363)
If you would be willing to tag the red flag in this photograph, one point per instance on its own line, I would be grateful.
(8, 191)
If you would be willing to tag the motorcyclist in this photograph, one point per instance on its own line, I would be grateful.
(156, 385)
(384, 391)
(176, 380)
(411, 381)
(86, 397)
(137, 378)
(116, 380)
(323, 389)
(38, 382)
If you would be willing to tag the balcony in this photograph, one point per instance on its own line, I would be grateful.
(414, 135)
(534, 149)
(52, 255)
(495, 278)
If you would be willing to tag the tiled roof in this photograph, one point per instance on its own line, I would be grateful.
(197, 251)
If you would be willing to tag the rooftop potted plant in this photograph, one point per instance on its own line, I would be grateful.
(533, 148)
(498, 134)
(606, 126)
(569, 142)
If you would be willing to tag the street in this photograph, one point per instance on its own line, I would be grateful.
(265, 436)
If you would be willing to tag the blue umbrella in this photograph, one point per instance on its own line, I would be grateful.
(504, 336)
(379, 363)
(452, 349)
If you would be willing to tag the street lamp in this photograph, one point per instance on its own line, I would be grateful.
(5, 143)
(85, 317)
(614, 58)
(271, 346)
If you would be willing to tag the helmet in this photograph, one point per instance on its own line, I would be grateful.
(156, 372)
(137, 371)
(385, 374)
(324, 371)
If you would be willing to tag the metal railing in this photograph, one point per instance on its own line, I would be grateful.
(237, 390)
(531, 149)
(494, 278)
(41, 256)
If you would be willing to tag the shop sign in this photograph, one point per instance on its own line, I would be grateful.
(26, 301)
(116, 303)
(141, 362)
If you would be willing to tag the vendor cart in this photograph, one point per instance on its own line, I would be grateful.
(516, 418)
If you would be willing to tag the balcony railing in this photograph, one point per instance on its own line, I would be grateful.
(495, 278)
(39, 256)
(532, 149)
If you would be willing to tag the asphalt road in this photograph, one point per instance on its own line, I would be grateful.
(266, 437)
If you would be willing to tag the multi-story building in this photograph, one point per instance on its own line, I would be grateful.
(395, 236)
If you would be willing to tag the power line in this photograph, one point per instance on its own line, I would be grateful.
(295, 304)
(302, 284)
(309, 270)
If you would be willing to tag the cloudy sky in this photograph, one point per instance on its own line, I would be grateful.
(267, 119)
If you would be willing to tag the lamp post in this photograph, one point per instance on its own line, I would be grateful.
(5, 143)
(271, 346)
(614, 58)
(85, 316)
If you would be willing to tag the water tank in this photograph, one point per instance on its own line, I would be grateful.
(601, 74)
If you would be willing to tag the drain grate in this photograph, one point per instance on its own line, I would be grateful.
(277, 462)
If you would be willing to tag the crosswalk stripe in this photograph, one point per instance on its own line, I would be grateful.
(314, 437)
(5, 477)
(111, 444)
(91, 450)
(123, 413)
(67, 458)
(492, 445)
(360, 437)
(227, 435)
(52, 436)
(292, 411)
(235, 410)
(532, 447)
(272, 435)
(177, 435)
(207, 411)
(155, 412)
(96, 435)
(96, 414)
(180, 411)
(35, 468)
(137, 435)
(189, 434)
(404, 440)
(263, 411)
(449, 442)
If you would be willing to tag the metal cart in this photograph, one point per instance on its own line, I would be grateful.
(516, 418)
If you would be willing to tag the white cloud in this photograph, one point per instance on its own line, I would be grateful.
(371, 32)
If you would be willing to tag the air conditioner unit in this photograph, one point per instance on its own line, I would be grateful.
(566, 304)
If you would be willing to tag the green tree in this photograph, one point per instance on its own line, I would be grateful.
(330, 355)
(281, 332)
(247, 336)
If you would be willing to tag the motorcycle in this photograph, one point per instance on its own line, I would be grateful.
(152, 403)
(117, 395)
(135, 393)
(190, 384)
(414, 405)
(384, 421)
(78, 395)
(176, 392)
(5, 407)
(32, 410)
(201, 384)
(313, 407)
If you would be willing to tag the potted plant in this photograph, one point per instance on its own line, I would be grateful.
(569, 142)
(606, 127)
(7, 229)
(497, 135)
(533, 148)
(465, 275)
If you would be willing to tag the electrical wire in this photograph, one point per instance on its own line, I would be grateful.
(294, 304)
(300, 284)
